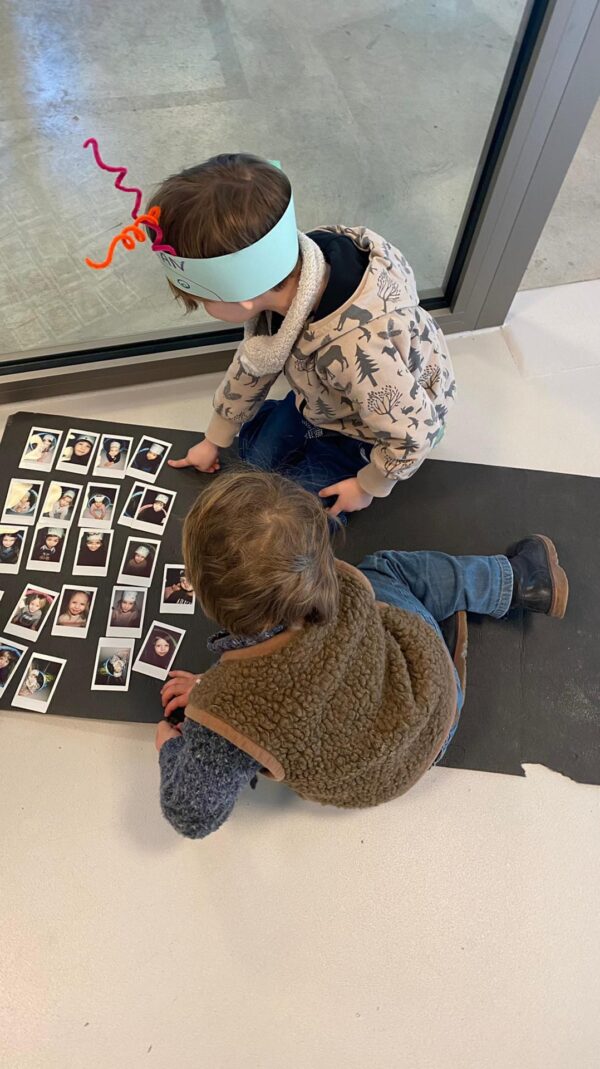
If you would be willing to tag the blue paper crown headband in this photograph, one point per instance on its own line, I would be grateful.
(236, 276)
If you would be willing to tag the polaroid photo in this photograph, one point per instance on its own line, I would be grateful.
(132, 504)
(148, 458)
(112, 667)
(139, 561)
(159, 649)
(112, 457)
(177, 595)
(31, 612)
(22, 501)
(74, 611)
(78, 451)
(98, 505)
(126, 612)
(60, 503)
(93, 552)
(40, 448)
(153, 510)
(38, 683)
(47, 548)
(10, 656)
(12, 544)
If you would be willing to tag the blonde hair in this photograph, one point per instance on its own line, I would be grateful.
(220, 206)
(258, 554)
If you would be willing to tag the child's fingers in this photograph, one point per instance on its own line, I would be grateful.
(183, 463)
(178, 702)
(179, 673)
(330, 491)
(336, 509)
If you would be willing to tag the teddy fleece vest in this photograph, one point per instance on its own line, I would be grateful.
(350, 713)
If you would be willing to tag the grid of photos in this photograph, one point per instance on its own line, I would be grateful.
(59, 516)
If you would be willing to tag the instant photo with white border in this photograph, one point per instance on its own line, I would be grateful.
(16, 647)
(109, 648)
(152, 494)
(73, 630)
(160, 628)
(11, 567)
(21, 630)
(36, 459)
(143, 447)
(75, 434)
(87, 568)
(137, 594)
(175, 607)
(55, 493)
(17, 490)
(92, 492)
(39, 663)
(35, 564)
(131, 578)
(102, 466)
(132, 504)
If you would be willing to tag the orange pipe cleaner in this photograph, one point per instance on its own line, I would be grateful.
(129, 235)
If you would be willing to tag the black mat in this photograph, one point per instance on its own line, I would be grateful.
(533, 691)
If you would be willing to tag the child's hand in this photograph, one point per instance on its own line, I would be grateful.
(204, 457)
(164, 732)
(175, 693)
(350, 497)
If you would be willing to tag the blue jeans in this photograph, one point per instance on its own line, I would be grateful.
(279, 439)
(436, 585)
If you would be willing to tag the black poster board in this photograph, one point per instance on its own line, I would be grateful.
(533, 690)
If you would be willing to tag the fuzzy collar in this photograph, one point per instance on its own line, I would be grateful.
(262, 353)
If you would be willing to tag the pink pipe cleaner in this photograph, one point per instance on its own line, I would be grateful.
(121, 172)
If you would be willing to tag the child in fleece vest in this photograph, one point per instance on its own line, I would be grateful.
(333, 679)
(369, 370)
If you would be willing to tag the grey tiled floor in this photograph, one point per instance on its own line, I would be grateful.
(377, 109)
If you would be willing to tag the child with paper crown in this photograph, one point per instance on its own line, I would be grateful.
(336, 310)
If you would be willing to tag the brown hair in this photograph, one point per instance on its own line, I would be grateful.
(258, 554)
(220, 206)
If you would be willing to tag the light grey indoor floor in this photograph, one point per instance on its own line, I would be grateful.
(378, 110)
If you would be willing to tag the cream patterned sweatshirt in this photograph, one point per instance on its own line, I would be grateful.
(377, 369)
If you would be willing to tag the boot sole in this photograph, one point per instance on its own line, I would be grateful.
(560, 583)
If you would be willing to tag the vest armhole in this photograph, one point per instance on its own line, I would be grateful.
(273, 768)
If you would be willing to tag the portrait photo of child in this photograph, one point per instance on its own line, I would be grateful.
(93, 552)
(78, 451)
(10, 655)
(12, 544)
(126, 613)
(22, 500)
(40, 449)
(47, 548)
(139, 561)
(112, 667)
(31, 612)
(74, 611)
(177, 595)
(153, 510)
(98, 505)
(159, 650)
(113, 455)
(60, 503)
(148, 458)
(38, 683)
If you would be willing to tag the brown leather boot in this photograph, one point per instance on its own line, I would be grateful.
(540, 584)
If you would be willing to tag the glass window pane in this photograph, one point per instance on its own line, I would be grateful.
(378, 109)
